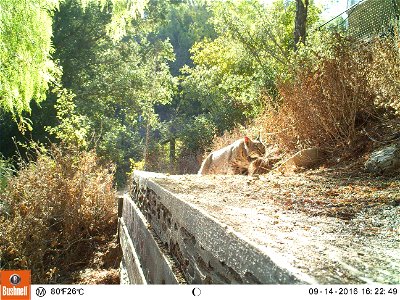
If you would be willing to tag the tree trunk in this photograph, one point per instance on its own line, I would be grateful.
(300, 22)
(172, 152)
(146, 148)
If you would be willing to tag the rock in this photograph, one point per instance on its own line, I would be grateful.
(306, 158)
(384, 160)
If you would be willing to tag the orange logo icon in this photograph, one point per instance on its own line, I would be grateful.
(15, 285)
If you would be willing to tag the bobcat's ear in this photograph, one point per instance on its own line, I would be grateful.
(246, 140)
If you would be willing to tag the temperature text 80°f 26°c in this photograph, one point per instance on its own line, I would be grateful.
(67, 291)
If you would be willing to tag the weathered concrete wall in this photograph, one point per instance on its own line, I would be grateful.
(144, 260)
(167, 240)
(240, 229)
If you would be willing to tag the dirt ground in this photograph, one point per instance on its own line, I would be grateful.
(336, 224)
(103, 267)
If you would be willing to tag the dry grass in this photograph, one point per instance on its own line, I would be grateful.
(63, 207)
(384, 76)
(334, 94)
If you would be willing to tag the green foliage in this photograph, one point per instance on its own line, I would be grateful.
(26, 67)
(233, 70)
(136, 165)
(72, 128)
(223, 84)
(116, 83)
(199, 133)
(157, 84)
(120, 144)
(186, 24)
(124, 13)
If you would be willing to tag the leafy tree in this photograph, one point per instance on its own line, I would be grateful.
(236, 70)
(72, 128)
(186, 23)
(26, 67)
(116, 83)
(231, 70)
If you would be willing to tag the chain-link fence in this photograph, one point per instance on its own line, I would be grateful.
(367, 18)
(372, 17)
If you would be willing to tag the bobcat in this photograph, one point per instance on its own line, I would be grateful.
(233, 159)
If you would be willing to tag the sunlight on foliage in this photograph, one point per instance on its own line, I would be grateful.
(73, 128)
(136, 165)
(124, 11)
(26, 67)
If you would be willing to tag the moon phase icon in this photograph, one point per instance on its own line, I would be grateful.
(196, 292)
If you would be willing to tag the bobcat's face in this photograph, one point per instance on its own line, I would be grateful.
(255, 148)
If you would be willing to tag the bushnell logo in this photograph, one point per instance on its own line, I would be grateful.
(15, 279)
(15, 284)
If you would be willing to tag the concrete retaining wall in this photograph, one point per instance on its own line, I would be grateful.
(241, 229)
(167, 240)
